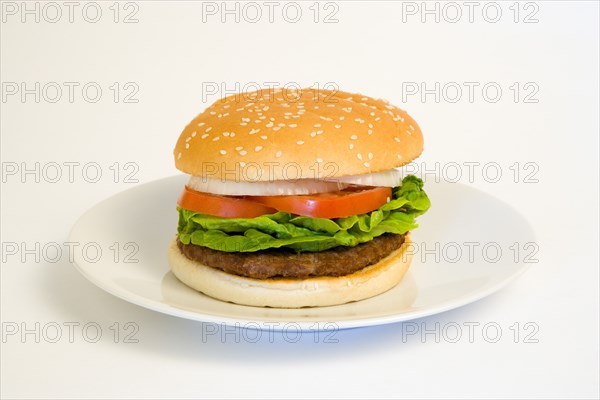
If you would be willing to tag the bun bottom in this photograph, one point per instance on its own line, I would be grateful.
(292, 293)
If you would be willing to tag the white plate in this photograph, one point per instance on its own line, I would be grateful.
(456, 260)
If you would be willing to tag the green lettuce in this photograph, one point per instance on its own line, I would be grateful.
(285, 230)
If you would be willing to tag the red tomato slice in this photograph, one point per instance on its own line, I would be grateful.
(344, 203)
(222, 206)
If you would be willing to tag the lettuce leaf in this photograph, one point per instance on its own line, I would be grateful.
(285, 230)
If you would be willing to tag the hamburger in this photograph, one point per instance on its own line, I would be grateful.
(294, 198)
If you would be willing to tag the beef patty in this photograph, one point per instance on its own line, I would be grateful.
(282, 263)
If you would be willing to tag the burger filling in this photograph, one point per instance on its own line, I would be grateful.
(331, 234)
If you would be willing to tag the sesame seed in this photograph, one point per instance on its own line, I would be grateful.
(242, 163)
(372, 113)
(208, 129)
(239, 148)
(201, 124)
(337, 126)
(300, 142)
(253, 131)
(263, 137)
(226, 134)
(216, 138)
(212, 113)
(187, 145)
(330, 105)
(353, 137)
(359, 156)
(397, 139)
(239, 109)
(292, 125)
(276, 128)
(188, 139)
(317, 125)
(278, 154)
(270, 124)
(377, 119)
(319, 132)
(370, 125)
(319, 160)
(325, 118)
(243, 124)
(204, 136)
(178, 156)
(370, 156)
(313, 134)
(370, 131)
(316, 107)
(351, 146)
(399, 156)
(223, 152)
(243, 152)
(232, 134)
(226, 106)
(408, 133)
(194, 134)
(258, 148)
(342, 118)
(411, 127)
(366, 164)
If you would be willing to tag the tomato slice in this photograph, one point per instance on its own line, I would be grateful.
(222, 206)
(344, 203)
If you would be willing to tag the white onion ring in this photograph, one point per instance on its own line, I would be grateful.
(389, 178)
(273, 188)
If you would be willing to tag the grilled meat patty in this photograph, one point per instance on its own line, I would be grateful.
(282, 263)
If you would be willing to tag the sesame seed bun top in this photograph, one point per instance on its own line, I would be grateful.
(281, 134)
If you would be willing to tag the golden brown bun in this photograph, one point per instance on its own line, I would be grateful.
(292, 293)
(280, 134)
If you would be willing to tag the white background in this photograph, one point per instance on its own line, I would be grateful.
(171, 54)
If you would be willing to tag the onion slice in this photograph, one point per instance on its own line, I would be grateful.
(272, 188)
(389, 178)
